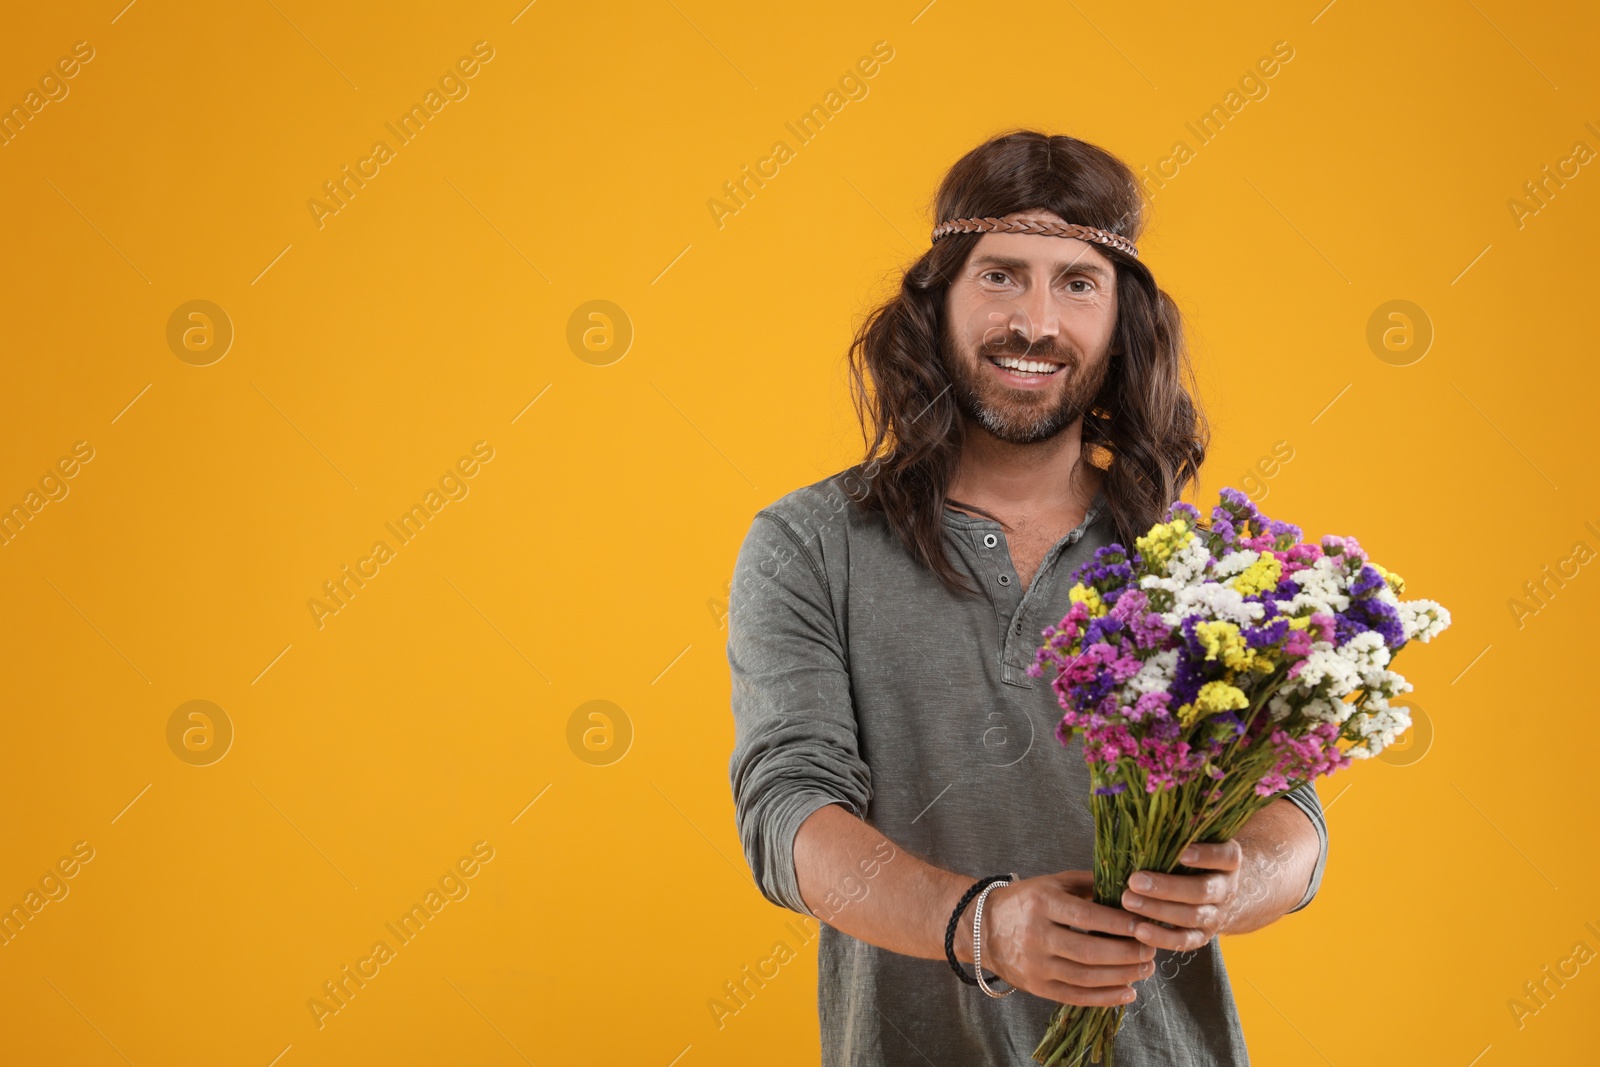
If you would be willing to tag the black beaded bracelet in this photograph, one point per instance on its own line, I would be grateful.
(955, 917)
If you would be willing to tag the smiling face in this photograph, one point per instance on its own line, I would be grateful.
(1029, 323)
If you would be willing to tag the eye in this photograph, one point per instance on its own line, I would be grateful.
(992, 274)
(1081, 281)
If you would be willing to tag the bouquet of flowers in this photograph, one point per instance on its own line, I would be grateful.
(1209, 672)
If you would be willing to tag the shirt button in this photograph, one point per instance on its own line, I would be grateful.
(1005, 579)
(990, 540)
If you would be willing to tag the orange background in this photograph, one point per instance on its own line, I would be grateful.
(588, 558)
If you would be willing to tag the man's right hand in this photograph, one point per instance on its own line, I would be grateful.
(1034, 937)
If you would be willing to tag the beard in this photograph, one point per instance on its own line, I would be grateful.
(1021, 416)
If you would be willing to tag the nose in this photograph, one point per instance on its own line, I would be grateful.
(1036, 315)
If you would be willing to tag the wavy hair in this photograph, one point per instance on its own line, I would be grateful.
(1143, 430)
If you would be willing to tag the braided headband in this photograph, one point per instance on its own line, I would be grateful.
(1046, 229)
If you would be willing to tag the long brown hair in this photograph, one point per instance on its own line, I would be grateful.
(1143, 429)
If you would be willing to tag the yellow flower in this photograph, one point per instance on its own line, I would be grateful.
(1222, 640)
(1396, 583)
(1090, 598)
(1213, 697)
(1162, 541)
(1260, 576)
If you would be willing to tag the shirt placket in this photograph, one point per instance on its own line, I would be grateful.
(1023, 626)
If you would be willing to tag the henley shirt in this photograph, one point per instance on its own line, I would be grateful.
(859, 679)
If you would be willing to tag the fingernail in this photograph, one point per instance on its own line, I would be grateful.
(1190, 855)
(1141, 881)
(1132, 900)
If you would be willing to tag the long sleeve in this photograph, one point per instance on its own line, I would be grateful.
(795, 739)
(1305, 798)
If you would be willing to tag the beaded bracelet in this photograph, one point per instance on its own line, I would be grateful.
(955, 917)
(977, 940)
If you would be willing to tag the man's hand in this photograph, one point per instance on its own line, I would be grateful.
(1251, 881)
(1194, 907)
(1035, 937)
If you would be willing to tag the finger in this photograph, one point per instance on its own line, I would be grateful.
(1069, 910)
(1098, 951)
(1078, 883)
(1089, 997)
(1214, 856)
(1091, 977)
(1179, 939)
(1199, 916)
(1184, 888)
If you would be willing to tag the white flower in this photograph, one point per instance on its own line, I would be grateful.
(1326, 669)
(1322, 588)
(1280, 706)
(1379, 725)
(1421, 620)
(1155, 675)
(1236, 562)
(1212, 600)
(1368, 654)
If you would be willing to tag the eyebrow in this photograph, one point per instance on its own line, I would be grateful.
(1079, 265)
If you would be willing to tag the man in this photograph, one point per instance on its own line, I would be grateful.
(1024, 401)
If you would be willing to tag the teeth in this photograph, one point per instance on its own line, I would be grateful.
(1027, 366)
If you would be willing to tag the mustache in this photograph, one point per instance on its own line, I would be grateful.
(1010, 343)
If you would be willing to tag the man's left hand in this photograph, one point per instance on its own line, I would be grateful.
(1194, 907)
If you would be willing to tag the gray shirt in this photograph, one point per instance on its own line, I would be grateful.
(860, 680)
